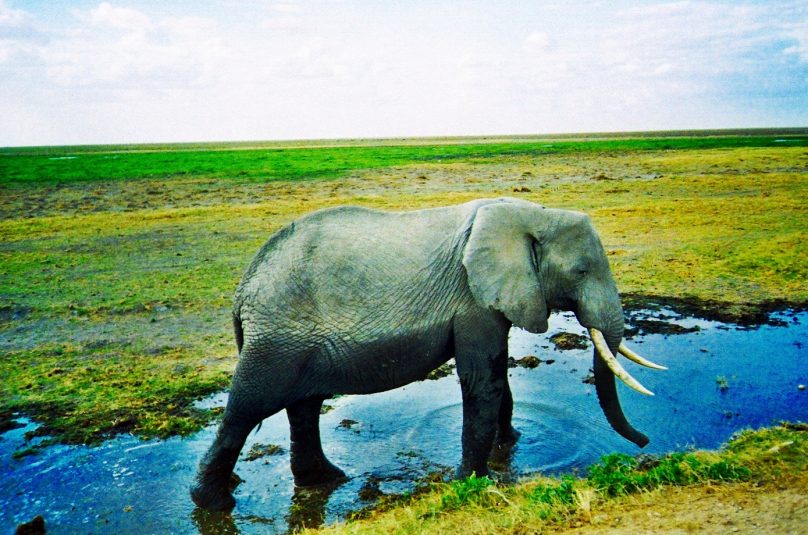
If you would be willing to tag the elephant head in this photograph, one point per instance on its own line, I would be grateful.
(524, 261)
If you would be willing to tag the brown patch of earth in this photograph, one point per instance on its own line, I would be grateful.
(775, 507)
(529, 362)
(263, 450)
(566, 341)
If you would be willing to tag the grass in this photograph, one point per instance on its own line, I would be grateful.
(119, 265)
(477, 505)
(147, 394)
(619, 474)
(67, 164)
(465, 492)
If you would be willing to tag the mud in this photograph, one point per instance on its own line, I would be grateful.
(259, 451)
(34, 527)
(529, 362)
(444, 370)
(749, 315)
(569, 341)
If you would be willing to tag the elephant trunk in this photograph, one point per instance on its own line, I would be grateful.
(608, 343)
(609, 402)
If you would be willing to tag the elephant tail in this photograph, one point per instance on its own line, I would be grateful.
(239, 331)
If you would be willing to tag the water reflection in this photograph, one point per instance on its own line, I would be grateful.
(214, 522)
(308, 506)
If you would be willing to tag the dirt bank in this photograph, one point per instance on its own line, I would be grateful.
(774, 507)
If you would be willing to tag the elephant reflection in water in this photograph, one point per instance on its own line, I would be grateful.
(306, 511)
(354, 301)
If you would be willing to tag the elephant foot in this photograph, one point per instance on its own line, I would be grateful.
(506, 437)
(502, 450)
(317, 475)
(212, 499)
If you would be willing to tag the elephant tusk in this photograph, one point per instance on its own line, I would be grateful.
(607, 356)
(631, 355)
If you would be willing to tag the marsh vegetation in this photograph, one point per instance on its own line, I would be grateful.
(117, 264)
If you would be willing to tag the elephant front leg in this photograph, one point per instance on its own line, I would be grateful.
(483, 384)
(506, 435)
(309, 464)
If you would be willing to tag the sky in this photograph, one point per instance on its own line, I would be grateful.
(124, 71)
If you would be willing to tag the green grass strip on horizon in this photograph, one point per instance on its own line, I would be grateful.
(69, 164)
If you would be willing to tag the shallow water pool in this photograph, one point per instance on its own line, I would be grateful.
(721, 378)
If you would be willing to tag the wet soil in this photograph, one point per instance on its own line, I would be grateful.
(35, 527)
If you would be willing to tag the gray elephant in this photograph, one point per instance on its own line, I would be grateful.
(354, 301)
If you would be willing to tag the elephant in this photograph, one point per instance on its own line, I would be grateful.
(350, 300)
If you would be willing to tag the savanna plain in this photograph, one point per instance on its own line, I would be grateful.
(118, 263)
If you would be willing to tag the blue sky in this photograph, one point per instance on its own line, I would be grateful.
(148, 71)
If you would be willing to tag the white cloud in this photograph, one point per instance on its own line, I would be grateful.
(117, 71)
(536, 41)
(134, 49)
(15, 34)
(10, 17)
(283, 23)
(656, 55)
(797, 31)
(286, 7)
(123, 18)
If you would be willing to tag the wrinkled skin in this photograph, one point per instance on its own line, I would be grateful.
(355, 301)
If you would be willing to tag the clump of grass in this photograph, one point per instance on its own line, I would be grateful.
(619, 474)
(550, 498)
(773, 452)
(464, 492)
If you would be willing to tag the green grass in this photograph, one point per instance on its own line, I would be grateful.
(464, 492)
(554, 498)
(83, 395)
(67, 164)
(478, 505)
(619, 474)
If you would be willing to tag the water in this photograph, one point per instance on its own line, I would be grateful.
(131, 486)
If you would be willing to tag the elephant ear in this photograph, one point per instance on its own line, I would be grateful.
(500, 263)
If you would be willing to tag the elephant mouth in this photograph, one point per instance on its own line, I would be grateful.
(611, 361)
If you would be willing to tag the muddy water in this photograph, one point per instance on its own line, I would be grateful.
(721, 378)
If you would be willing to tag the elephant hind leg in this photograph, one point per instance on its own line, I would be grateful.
(212, 488)
(249, 403)
(309, 464)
